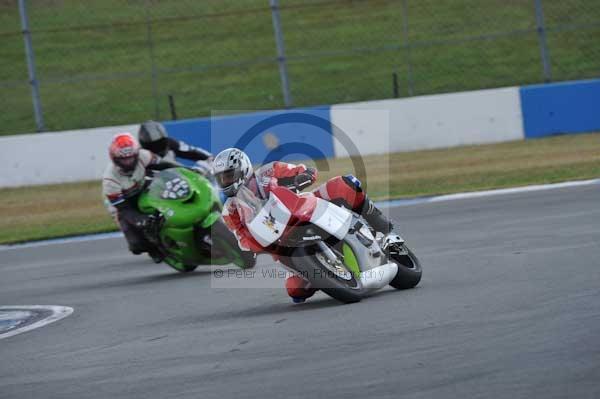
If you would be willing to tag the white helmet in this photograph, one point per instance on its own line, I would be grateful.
(232, 168)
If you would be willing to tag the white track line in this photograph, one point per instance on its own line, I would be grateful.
(58, 312)
(66, 240)
(383, 204)
(487, 193)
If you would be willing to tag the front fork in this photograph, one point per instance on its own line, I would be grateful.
(329, 254)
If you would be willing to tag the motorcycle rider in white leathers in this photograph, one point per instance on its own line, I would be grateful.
(123, 180)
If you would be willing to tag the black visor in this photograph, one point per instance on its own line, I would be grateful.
(127, 164)
(228, 177)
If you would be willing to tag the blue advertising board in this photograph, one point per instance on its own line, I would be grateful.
(297, 134)
(559, 108)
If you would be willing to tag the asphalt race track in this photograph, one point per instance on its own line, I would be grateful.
(509, 307)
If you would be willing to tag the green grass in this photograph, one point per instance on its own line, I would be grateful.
(102, 75)
(60, 210)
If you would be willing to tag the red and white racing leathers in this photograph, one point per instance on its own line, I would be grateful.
(342, 190)
(284, 173)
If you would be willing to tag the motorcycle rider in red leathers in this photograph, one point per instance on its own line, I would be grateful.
(232, 169)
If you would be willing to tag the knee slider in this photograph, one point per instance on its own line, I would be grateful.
(136, 250)
(137, 246)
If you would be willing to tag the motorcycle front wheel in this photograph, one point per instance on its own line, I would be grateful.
(409, 270)
(225, 244)
(341, 286)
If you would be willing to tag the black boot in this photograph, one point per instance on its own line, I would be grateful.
(156, 255)
(375, 218)
(390, 242)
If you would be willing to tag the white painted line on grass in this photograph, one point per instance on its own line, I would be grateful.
(383, 204)
(58, 312)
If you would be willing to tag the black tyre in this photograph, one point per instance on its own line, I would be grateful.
(186, 268)
(409, 270)
(180, 267)
(306, 261)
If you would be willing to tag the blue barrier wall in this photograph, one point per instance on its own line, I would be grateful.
(265, 136)
(569, 107)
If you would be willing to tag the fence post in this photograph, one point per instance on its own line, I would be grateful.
(33, 82)
(172, 107)
(154, 73)
(541, 30)
(285, 82)
(409, 71)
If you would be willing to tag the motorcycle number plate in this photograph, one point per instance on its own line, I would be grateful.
(271, 221)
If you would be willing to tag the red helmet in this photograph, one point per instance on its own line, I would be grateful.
(124, 151)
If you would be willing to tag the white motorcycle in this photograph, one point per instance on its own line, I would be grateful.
(333, 247)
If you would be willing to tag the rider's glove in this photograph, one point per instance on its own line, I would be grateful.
(305, 178)
(144, 221)
(150, 225)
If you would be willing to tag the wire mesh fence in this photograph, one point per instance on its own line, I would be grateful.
(110, 62)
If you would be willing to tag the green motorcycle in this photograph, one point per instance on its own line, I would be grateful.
(190, 232)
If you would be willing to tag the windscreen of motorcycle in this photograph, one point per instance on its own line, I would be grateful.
(170, 184)
(270, 222)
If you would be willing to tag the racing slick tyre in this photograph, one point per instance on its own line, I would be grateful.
(185, 268)
(180, 267)
(409, 270)
(310, 265)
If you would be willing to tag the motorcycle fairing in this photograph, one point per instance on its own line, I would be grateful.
(270, 223)
(378, 277)
(333, 219)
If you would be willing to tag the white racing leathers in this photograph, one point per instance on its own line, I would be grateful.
(118, 187)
